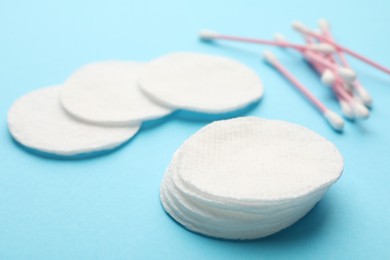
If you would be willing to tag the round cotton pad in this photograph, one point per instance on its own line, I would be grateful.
(248, 177)
(38, 121)
(257, 159)
(200, 83)
(106, 93)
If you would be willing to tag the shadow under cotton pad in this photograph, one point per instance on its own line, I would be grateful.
(200, 83)
(248, 177)
(107, 93)
(38, 121)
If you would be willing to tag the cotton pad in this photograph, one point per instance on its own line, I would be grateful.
(38, 122)
(248, 177)
(106, 93)
(200, 83)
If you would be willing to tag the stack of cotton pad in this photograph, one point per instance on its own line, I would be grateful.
(103, 104)
(248, 177)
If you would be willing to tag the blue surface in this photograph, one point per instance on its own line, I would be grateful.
(108, 207)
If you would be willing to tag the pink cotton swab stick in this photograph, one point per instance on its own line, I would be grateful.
(346, 73)
(332, 118)
(320, 47)
(305, 30)
(361, 91)
(350, 107)
(359, 110)
(328, 78)
(345, 106)
(346, 99)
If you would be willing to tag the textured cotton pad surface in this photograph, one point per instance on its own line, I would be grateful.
(256, 159)
(200, 83)
(248, 177)
(38, 121)
(106, 93)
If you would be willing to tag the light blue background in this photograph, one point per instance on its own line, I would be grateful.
(108, 207)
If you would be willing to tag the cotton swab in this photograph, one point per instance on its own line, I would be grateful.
(350, 107)
(361, 91)
(347, 109)
(327, 57)
(333, 119)
(298, 26)
(280, 37)
(348, 104)
(359, 110)
(320, 47)
(346, 73)
(328, 78)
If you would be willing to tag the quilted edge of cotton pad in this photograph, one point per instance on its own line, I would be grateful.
(232, 216)
(236, 205)
(303, 193)
(72, 157)
(238, 231)
(175, 210)
(58, 154)
(253, 208)
(70, 109)
(203, 111)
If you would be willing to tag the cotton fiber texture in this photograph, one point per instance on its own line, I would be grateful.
(248, 177)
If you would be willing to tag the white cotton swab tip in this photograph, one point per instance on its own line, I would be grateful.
(328, 78)
(347, 110)
(207, 35)
(318, 47)
(360, 110)
(279, 37)
(322, 47)
(348, 86)
(347, 74)
(364, 96)
(324, 25)
(269, 57)
(299, 27)
(334, 120)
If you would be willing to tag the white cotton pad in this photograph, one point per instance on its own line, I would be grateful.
(38, 122)
(106, 93)
(200, 83)
(248, 177)
(252, 159)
